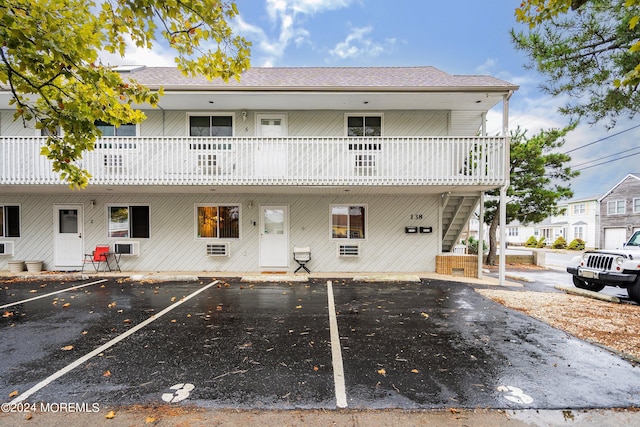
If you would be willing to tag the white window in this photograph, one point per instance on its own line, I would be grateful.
(217, 221)
(108, 129)
(9, 221)
(579, 209)
(218, 125)
(636, 205)
(364, 125)
(578, 232)
(348, 221)
(616, 207)
(129, 221)
(512, 231)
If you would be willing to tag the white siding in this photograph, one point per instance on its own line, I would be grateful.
(309, 123)
(10, 127)
(465, 123)
(173, 246)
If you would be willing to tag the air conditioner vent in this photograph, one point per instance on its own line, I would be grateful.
(218, 249)
(129, 248)
(348, 250)
(6, 248)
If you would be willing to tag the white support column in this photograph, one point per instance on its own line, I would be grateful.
(503, 190)
(502, 238)
(481, 211)
(480, 234)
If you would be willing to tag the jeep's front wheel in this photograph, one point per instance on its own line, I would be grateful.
(589, 286)
(634, 291)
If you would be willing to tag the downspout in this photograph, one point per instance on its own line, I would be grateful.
(503, 189)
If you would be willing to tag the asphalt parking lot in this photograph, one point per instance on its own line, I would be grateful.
(229, 344)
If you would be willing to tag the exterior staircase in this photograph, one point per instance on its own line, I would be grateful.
(456, 212)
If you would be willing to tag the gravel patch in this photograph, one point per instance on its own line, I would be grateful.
(614, 326)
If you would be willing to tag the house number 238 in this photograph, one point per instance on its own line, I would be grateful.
(416, 216)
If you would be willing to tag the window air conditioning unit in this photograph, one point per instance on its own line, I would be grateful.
(218, 249)
(348, 250)
(6, 248)
(127, 248)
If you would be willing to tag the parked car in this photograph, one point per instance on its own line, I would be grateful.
(611, 267)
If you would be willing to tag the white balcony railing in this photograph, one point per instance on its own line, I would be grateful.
(267, 161)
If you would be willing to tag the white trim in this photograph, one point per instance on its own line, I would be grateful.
(616, 186)
(231, 114)
(366, 222)
(363, 114)
(128, 206)
(216, 205)
(3, 223)
(624, 201)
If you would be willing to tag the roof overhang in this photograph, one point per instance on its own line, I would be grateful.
(324, 100)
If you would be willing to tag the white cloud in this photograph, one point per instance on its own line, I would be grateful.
(134, 55)
(357, 44)
(288, 17)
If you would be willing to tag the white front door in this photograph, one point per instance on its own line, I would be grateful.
(68, 244)
(271, 160)
(274, 236)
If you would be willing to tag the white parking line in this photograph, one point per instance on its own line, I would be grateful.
(51, 293)
(105, 346)
(336, 352)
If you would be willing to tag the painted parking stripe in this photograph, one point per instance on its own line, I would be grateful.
(52, 293)
(336, 351)
(106, 345)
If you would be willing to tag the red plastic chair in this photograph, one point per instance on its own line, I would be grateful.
(98, 256)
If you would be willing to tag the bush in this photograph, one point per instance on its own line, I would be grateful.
(531, 242)
(576, 245)
(472, 247)
(560, 243)
(541, 243)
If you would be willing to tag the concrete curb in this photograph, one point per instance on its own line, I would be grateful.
(588, 294)
(274, 278)
(181, 278)
(398, 278)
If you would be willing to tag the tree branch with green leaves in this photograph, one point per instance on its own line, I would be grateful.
(539, 179)
(49, 63)
(588, 50)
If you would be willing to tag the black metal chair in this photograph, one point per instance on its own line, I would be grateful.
(302, 256)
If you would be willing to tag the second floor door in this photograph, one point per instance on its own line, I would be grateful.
(271, 159)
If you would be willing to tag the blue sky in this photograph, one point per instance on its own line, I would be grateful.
(458, 37)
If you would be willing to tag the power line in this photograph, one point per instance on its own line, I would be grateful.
(606, 157)
(601, 139)
(608, 161)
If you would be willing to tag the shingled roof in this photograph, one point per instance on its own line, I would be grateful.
(324, 79)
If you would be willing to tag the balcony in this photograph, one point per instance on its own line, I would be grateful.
(289, 161)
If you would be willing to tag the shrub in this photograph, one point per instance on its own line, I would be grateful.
(531, 242)
(576, 245)
(541, 243)
(472, 247)
(560, 243)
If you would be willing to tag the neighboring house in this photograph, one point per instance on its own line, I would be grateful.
(579, 220)
(620, 212)
(233, 176)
